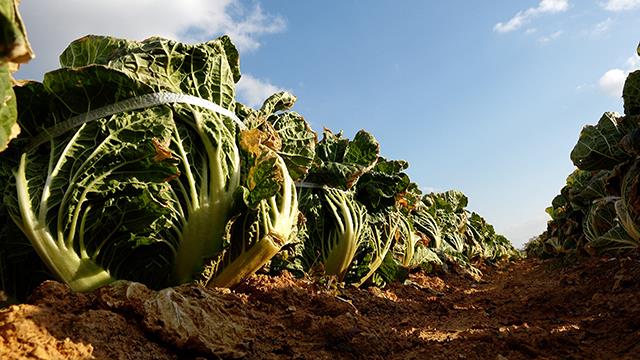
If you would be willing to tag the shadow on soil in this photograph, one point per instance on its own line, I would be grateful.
(529, 309)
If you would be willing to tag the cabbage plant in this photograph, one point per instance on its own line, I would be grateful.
(268, 220)
(336, 227)
(597, 211)
(14, 50)
(128, 167)
(136, 162)
(277, 149)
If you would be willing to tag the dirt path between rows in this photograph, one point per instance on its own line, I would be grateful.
(527, 309)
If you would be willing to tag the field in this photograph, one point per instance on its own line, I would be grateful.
(525, 309)
(182, 220)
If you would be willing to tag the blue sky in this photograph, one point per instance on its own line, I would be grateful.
(487, 97)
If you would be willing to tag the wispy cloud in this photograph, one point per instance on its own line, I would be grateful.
(549, 38)
(633, 63)
(253, 91)
(524, 17)
(585, 87)
(185, 20)
(621, 5)
(602, 27)
(612, 82)
(246, 30)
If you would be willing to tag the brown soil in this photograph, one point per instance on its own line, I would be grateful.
(527, 309)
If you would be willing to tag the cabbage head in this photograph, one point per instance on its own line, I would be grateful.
(127, 166)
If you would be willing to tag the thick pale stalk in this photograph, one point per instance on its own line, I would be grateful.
(211, 202)
(341, 255)
(79, 272)
(201, 239)
(247, 263)
(279, 215)
(345, 238)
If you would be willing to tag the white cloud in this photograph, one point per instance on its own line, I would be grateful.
(531, 31)
(602, 27)
(51, 25)
(546, 39)
(633, 63)
(585, 87)
(553, 6)
(621, 5)
(523, 17)
(612, 82)
(513, 24)
(253, 92)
